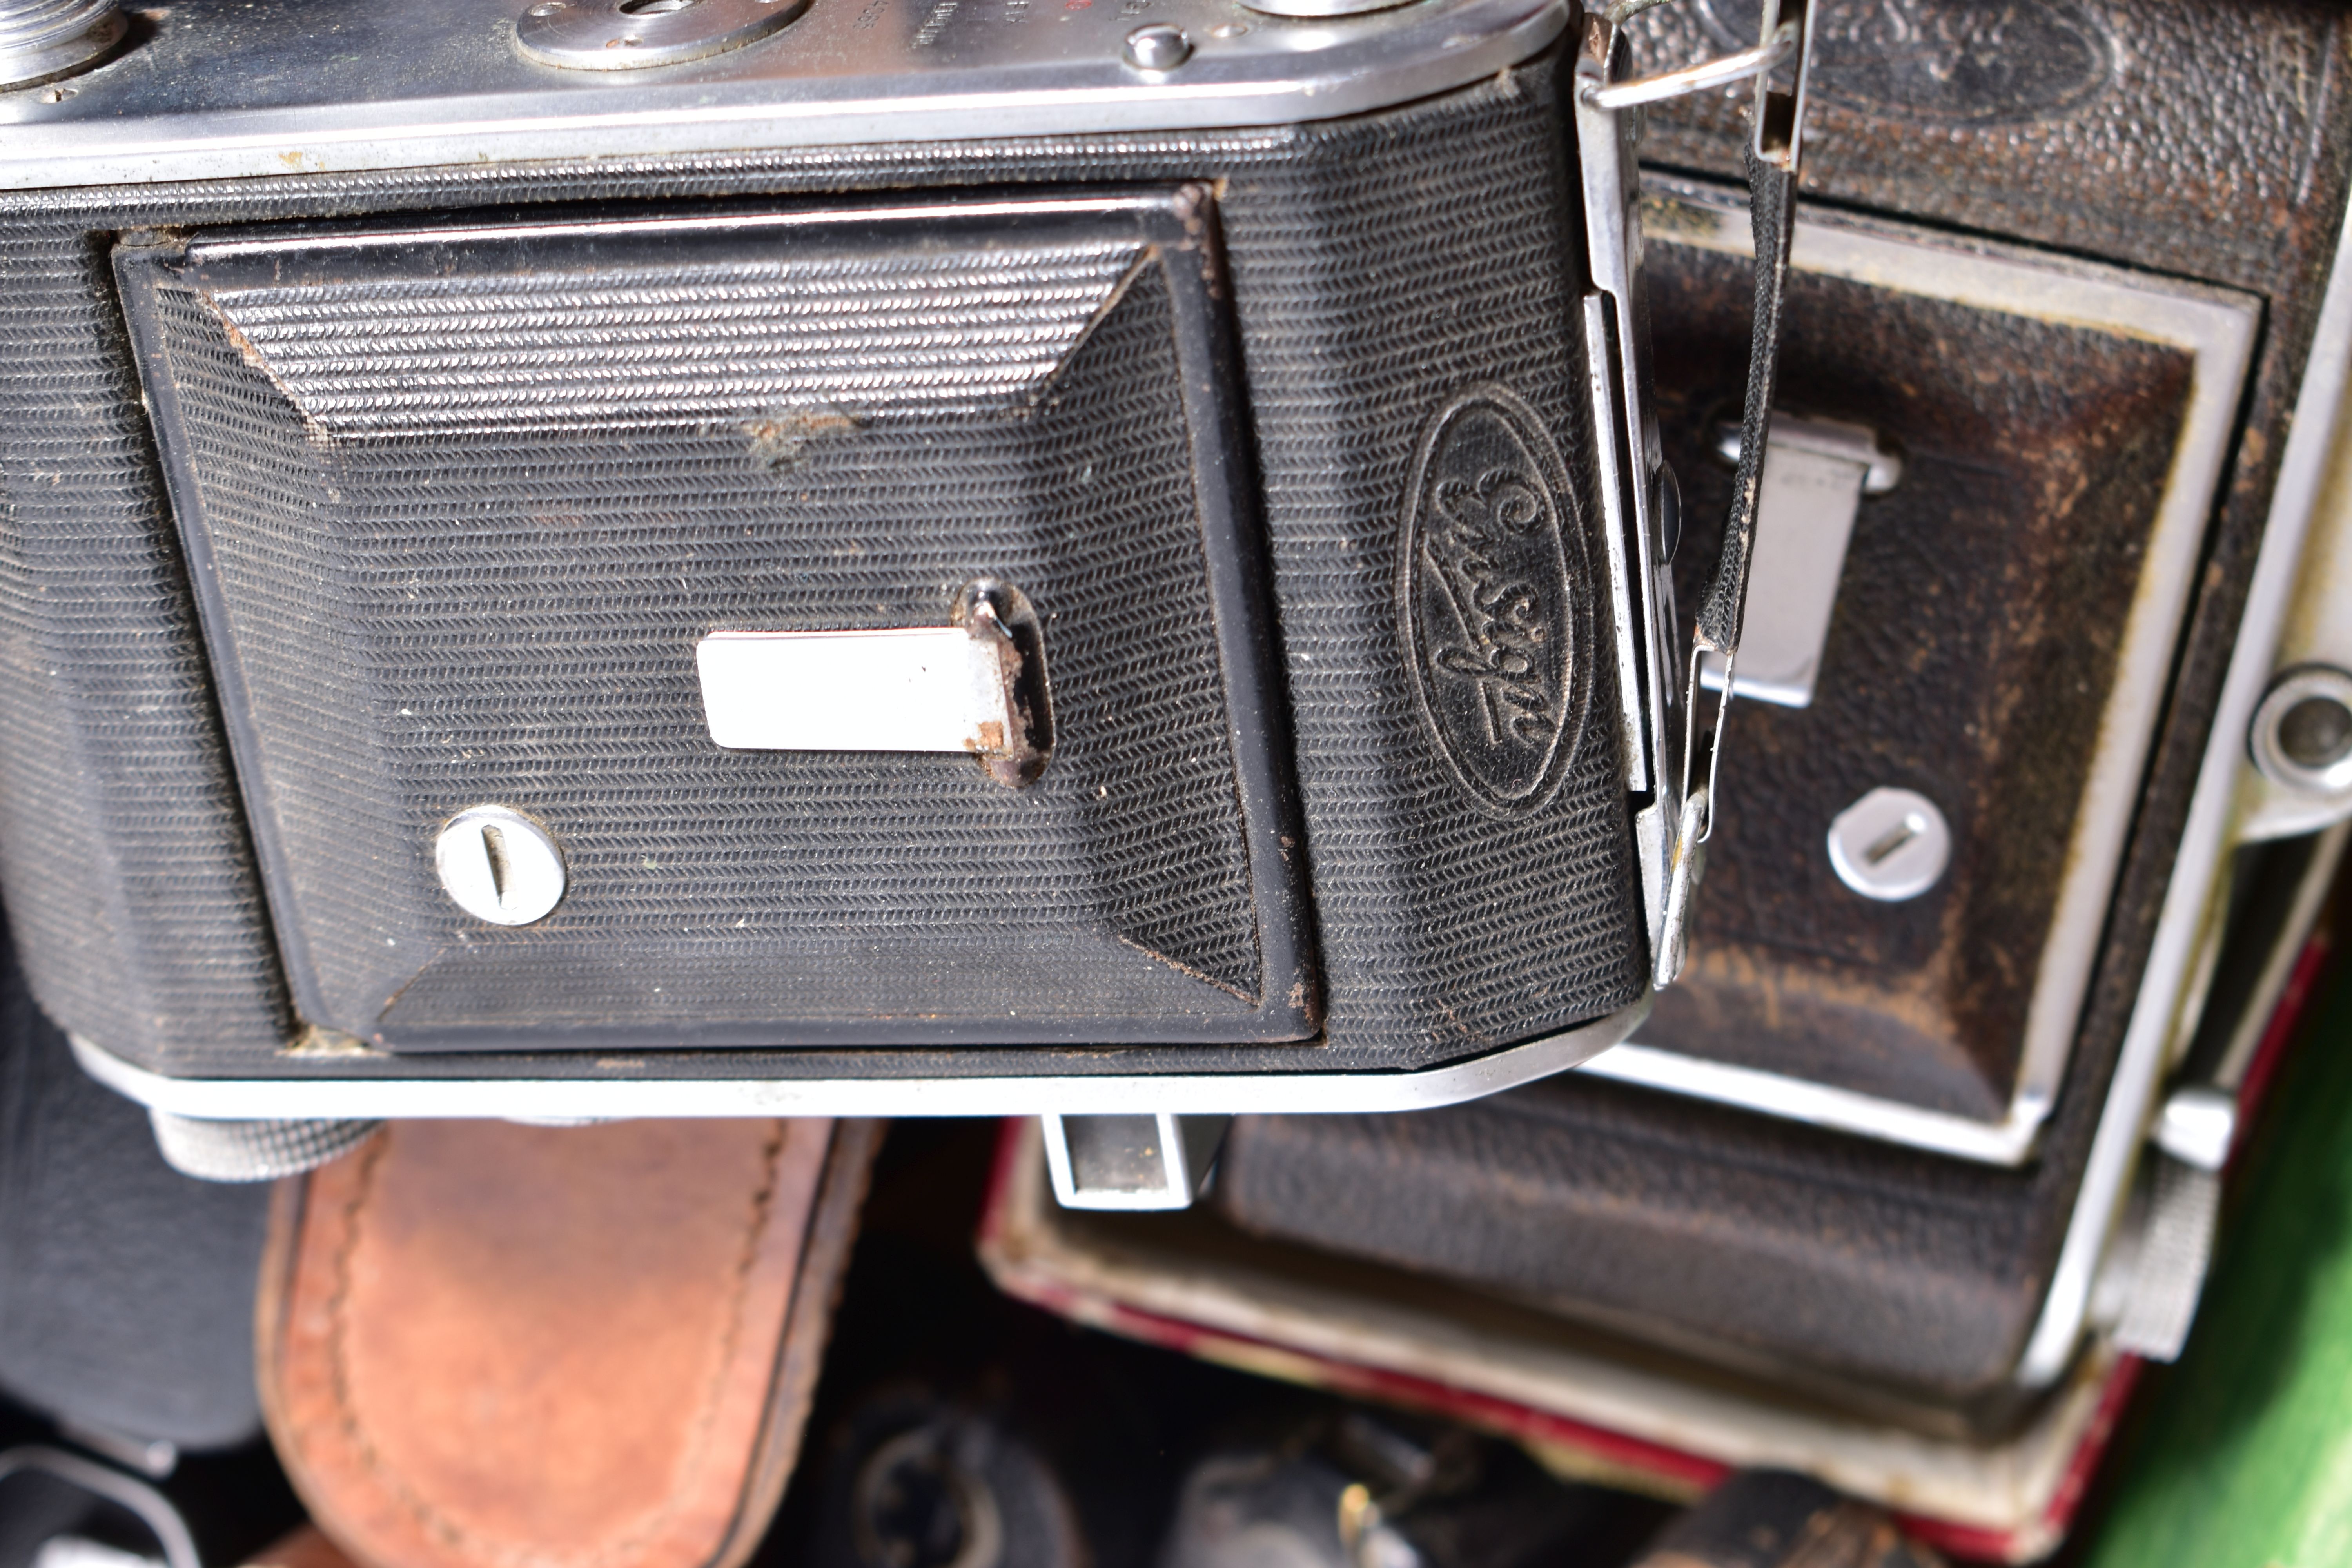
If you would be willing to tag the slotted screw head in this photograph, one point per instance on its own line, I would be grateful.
(1891, 844)
(499, 865)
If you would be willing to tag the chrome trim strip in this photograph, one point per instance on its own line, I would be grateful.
(2217, 327)
(1181, 1094)
(2213, 814)
(2004, 1142)
(431, 82)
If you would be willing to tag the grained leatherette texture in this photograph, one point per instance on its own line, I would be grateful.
(1672, 1219)
(1372, 283)
(2196, 138)
(495, 594)
(2035, 455)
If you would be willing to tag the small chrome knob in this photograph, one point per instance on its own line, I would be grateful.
(1157, 47)
(2301, 736)
(42, 40)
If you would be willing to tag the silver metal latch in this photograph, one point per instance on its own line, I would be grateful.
(1154, 1161)
(977, 686)
(1816, 472)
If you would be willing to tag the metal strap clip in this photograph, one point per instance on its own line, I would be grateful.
(1785, 36)
(1721, 71)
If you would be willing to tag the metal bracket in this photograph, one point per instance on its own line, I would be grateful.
(1640, 503)
(1816, 472)
(2154, 1273)
(1638, 491)
(1127, 1163)
(1721, 71)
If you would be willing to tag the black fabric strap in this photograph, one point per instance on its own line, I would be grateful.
(1772, 201)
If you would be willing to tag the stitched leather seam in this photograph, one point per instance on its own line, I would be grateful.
(456, 1537)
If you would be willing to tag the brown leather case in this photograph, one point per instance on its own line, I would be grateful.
(489, 1346)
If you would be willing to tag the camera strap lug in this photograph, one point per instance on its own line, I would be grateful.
(1632, 472)
(1721, 71)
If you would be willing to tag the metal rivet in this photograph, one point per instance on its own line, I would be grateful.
(1157, 47)
(2301, 733)
(1891, 844)
(499, 865)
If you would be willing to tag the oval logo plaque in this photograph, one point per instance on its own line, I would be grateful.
(1968, 62)
(1489, 588)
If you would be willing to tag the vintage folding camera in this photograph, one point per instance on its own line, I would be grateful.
(1128, 562)
(2036, 785)
(612, 557)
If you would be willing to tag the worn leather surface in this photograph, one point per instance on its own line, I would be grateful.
(1445, 929)
(485, 1345)
(1971, 655)
(1761, 1243)
(126, 1289)
(2197, 139)
(2210, 141)
(2200, 138)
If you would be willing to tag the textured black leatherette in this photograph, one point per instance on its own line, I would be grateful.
(1381, 268)
(463, 511)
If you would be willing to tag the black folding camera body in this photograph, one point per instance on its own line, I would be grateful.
(344, 503)
(987, 556)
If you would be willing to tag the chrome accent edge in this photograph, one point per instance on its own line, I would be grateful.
(1180, 1094)
(433, 82)
(2004, 1142)
(2213, 811)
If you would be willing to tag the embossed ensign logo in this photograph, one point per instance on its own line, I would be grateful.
(1489, 587)
(1976, 62)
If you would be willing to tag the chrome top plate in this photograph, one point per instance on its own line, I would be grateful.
(222, 88)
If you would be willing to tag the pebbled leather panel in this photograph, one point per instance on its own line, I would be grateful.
(1688, 1223)
(1970, 656)
(2197, 137)
(2209, 139)
(2244, 133)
